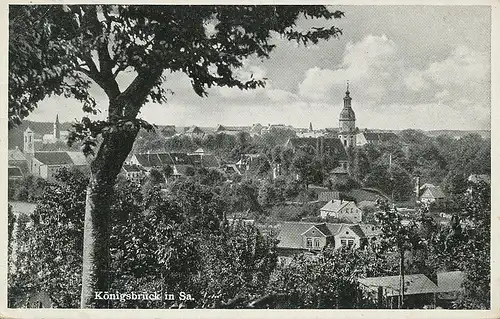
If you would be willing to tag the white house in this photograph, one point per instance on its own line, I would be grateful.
(342, 209)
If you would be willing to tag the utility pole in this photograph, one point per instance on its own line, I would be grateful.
(401, 277)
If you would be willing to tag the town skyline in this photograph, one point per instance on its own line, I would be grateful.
(396, 80)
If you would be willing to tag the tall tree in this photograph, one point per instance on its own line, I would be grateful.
(397, 237)
(64, 49)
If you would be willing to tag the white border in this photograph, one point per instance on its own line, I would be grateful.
(209, 313)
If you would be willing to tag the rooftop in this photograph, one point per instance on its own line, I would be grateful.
(414, 284)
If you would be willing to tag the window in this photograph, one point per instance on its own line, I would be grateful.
(343, 242)
(350, 243)
(316, 242)
(309, 243)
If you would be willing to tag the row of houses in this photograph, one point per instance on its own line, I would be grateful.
(312, 238)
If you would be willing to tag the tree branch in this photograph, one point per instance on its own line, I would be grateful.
(138, 90)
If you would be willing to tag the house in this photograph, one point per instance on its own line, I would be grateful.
(419, 290)
(149, 161)
(432, 195)
(273, 127)
(231, 130)
(168, 130)
(194, 131)
(342, 209)
(256, 129)
(323, 146)
(17, 158)
(367, 137)
(181, 163)
(200, 158)
(248, 161)
(310, 237)
(133, 172)
(14, 173)
(46, 164)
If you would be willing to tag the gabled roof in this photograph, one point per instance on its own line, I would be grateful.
(433, 192)
(450, 281)
(426, 185)
(321, 228)
(54, 158)
(46, 127)
(289, 235)
(328, 196)
(16, 155)
(194, 130)
(54, 147)
(414, 284)
(232, 128)
(153, 160)
(335, 205)
(78, 158)
(357, 230)
(365, 194)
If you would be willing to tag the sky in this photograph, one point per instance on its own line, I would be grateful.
(420, 67)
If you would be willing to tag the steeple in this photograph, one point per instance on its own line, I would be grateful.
(347, 113)
(347, 98)
(57, 129)
(347, 121)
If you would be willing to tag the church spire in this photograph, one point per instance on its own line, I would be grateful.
(57, 128)
(347, 91)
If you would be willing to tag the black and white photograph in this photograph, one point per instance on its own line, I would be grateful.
(249, 156)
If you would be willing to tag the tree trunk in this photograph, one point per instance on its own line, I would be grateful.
(115, 147)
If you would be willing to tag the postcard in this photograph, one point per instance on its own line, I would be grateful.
(208, 160)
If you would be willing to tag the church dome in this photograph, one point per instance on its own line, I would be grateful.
(347, 114)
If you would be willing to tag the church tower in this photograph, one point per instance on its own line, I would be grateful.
(347, 122)
(29, 142)
(57, 128)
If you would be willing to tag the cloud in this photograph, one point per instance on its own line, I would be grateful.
(263, 94)
(367, 64)
(382, 83)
